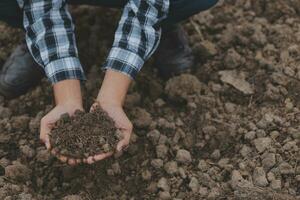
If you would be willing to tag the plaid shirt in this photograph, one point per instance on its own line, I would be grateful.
(51, 41)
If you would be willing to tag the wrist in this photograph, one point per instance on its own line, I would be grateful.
(108, 99)
(114, 89)
(67, 93)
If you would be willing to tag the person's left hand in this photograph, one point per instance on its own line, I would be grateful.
(122, 123)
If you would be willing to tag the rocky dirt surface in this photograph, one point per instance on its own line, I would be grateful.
(81, 135)
(229, 131)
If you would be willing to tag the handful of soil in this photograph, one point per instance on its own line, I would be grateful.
(85, 134)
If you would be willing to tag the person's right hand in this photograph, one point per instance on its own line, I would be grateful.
(47, 123)
(68, 99)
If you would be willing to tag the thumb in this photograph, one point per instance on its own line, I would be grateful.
(44, 133)
(123, 144)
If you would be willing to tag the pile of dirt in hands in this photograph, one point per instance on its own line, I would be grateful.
(84, 134)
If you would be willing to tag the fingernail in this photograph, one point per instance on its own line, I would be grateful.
(90, 160)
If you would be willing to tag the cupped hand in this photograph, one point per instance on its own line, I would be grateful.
(122, 123)
(48, 122)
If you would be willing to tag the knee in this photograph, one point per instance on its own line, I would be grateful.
(183, 9)
(214, 2)
(10, 13)
(191, 5)
(206, 4)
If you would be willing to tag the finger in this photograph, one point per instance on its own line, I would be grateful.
(72, 162)
(102, 156)
(54, 152)
(91, 160)
(47, 143)
(44, 131)
(125, 142)
(62, 158)
(45, 139)
(78, 161)
(121, 145)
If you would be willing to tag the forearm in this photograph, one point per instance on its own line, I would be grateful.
(68, 99)
(68, 93)
(114, 88)
(130, 51)
(52, 46)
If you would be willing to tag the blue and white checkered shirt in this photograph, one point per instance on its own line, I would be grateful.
(51, 41)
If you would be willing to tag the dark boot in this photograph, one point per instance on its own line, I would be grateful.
(174, 55)
(19, 73)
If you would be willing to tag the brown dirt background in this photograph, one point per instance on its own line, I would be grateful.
(229, 131)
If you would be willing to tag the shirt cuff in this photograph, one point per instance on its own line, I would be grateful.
(124, 61)
(63, 69)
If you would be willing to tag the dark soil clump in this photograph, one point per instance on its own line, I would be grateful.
(84, 134)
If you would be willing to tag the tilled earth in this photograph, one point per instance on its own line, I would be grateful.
(229, 131)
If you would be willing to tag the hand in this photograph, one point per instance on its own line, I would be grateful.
(68, 99)
(47, 124)
(122, 123)
(110, 98)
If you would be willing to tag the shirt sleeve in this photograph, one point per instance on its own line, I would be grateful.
(50, 38)
(137, 35)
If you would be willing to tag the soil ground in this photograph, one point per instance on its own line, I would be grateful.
(229, 131)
